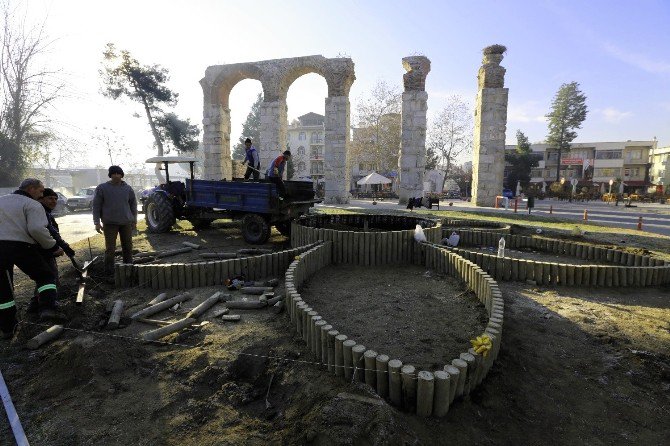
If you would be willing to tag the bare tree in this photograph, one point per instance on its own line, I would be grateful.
(450, 135)
(53, 152)
(377, 136)
(27, 89)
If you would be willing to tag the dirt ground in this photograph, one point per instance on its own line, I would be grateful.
(577, 366)
(406, 312)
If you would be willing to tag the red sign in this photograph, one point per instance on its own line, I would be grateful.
(572, 161)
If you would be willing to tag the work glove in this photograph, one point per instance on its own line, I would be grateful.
(68, 251)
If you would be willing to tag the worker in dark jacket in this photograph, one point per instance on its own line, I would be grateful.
(252, 160)
(49, 200)
(115, 213)
(276, 172)
(23, 231)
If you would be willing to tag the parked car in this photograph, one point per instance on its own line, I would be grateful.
(508, 193)
(61, 206)
(83, 199)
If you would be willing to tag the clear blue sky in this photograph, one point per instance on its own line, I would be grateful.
(617, 50)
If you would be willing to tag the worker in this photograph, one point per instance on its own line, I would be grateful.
(49, 200)
(115, 213)
(252, 160)
(23, 231)
(275, 172)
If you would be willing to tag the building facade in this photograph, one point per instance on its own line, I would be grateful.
(596, 163)
(305, 137)
(660, 168)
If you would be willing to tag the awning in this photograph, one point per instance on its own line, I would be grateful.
(374, 178)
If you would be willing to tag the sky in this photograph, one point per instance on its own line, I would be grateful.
(617, 50)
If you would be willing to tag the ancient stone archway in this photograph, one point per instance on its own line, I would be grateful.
(276, 76)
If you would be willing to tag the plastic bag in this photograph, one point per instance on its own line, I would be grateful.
(419, 236)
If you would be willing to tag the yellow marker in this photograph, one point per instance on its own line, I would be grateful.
(297, 257)
(481, 345)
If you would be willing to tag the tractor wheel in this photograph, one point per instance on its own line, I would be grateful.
(255, 229)
(284, 228)
(201, 223)
(159, 213)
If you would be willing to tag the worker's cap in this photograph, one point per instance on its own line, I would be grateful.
(115, 169)
(248, 140)
(48, 192)
(287, 153)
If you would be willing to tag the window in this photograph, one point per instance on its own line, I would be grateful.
(317, 168)
(608, 155)
(631, 172)
(607, 172)
(361, 166)
(301, 166)
(301, 150)
(302, 136)
(317, 152)
(536, 172)
(634, 154)
(316, 138)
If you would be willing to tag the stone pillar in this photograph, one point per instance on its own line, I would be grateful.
(216, 142)
(273, 132)
(412, 159)
(336, 153)
(488, 162)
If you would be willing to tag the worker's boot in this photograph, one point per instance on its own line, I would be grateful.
(33, 306)
(52, 314)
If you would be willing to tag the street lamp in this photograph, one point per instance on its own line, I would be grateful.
(611, 183)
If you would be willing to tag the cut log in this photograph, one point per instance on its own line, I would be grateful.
(148, 311)
(172, 252)
(154, 321)
(115, 317)
(160, 298)
(191, 245)
(204, 306)
(231, 318)
(277, 307)
(254, 251)
(142, 260)
(48, 335)
(256, 290)
(275, 299)
(158, 333)
(221, 312)
(218, 255)
(245, 305)
(146, 254)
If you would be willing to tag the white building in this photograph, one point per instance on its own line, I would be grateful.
(660, 168)
(305, 139)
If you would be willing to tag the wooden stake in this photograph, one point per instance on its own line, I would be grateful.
(48, 335)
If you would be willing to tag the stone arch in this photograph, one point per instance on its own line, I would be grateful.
(276, 76)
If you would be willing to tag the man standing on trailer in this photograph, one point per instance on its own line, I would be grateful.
(252, 160)
(275, 172)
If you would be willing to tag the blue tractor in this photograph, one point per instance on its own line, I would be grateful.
(256, 203)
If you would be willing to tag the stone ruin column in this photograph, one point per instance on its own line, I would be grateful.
(336, 155)
(412, 160)
(272, 132)
(488, 162)
(216, 142)
(337, 139)
(273, 121)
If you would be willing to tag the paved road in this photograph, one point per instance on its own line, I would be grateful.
(78, 226)
(655, 217)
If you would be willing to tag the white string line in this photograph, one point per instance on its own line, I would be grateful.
(177, 344)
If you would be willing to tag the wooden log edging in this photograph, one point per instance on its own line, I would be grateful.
(366, 248)
(430, 393)
(206, 273)
(655, 272)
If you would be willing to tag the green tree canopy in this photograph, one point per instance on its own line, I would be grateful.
(251, 128)
(521, 162)
(568, 112)
(123, 76)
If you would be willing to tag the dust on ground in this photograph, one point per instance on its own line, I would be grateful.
(404, 311)
(577, 366)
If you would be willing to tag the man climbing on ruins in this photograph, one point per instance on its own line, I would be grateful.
(23, 231)
(252, 160)
(275, 172)
(115, 213)
(49, 200)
